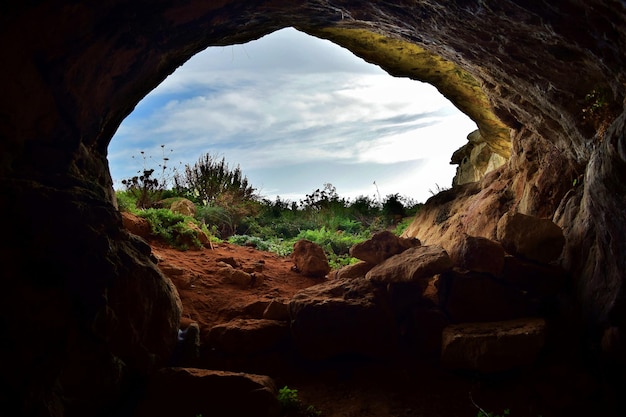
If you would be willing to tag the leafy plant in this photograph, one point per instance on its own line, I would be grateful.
(291, 405)
(174, 228)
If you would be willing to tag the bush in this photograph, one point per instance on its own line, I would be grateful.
(173, 228)
(210, 178)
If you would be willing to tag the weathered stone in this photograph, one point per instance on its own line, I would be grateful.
(184, 207)
(478, 254)
(356, 270)
(137, 225)
(493, 347)
(475, 160)
(234, 276)
(381, 246)
(342, 316)
(277, 310)
(412, 265)
(530, 237)
(255, 309)
(191, 392)
(310, 259)
(248, 336)
(535, 278)
(473, 296)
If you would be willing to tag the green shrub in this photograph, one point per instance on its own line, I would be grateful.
(173, 228)
(290, 404)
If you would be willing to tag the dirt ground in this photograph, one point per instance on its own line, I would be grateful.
(399, 387)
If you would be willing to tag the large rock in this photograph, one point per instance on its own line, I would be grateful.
(309, 259)
(537, 279)
(247, 336)
(342, 316)
(493, 347)
(381, 246)
(478, 254)
(530, 237)
(412, 265)
(472, 296)
(190, 392)
(137, 225)
(356, 270)
(184, 206)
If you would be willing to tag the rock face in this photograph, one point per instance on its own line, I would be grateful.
(544, 94)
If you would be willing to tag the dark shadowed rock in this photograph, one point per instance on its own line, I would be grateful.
(478, 254)
(310, 259)
(474, 296)
(493, 347)
(277, 310)
(189, 392)
(535, 278)
(246, 336)
(530, 237)
(342, 316)
(381, 246)
(412, 265)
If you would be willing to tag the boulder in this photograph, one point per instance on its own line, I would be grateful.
(236, 277)
(184, 207)
(136, 225)
(412, 265)
(189, 392)
(309, 258)
(472, 296)
(530, 237)
(478, 254)
(537, 279)
(493, 347)
(342, 316)
(248, 336)
(381, 246)
(356, 270)
(277, 310)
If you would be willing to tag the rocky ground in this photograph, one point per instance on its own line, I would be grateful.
(401, 385)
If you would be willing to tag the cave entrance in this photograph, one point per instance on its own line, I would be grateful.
(297, 112)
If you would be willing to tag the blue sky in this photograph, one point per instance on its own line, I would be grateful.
(296, 112)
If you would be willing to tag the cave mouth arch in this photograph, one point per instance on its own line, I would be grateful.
(76, 70)
(291, 99)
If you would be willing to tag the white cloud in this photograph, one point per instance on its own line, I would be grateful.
(287, 103)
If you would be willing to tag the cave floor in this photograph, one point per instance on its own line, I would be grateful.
(402, 386)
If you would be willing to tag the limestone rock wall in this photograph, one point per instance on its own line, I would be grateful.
(545, 82)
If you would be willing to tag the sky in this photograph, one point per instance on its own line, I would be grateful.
(296, 112)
